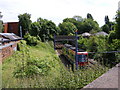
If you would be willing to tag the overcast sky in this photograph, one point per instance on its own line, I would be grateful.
(57, 10)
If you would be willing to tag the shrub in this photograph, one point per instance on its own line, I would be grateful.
(31, 40)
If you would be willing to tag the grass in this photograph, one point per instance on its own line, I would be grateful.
(51, 73)
(0, 75)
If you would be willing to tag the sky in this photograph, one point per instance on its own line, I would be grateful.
(57, 10)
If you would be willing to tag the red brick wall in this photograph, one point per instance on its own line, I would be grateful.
(11, 27)
(5, 28)
(7, 51)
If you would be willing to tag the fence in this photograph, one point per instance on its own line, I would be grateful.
(107, 58)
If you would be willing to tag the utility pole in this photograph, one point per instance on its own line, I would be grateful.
(21, 31)
(54, 41)
(76, 50)
(1, 15)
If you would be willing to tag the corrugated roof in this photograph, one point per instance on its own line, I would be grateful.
(10, 36)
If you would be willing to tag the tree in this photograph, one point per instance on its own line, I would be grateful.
(89, 16)
(35, 29)
(1, 23)
(105, 28)
(84, 25)
(108, 26)
(72, 20)
(107, 20)
(117, 26)
(78, 18)
(25, 22)
(77, 21)
(47, 29)
(67, 28)
(89, 25)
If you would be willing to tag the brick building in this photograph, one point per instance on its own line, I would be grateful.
(8, 44)
(11, 27)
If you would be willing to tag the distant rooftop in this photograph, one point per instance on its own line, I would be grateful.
(101, 33)
(86, 34)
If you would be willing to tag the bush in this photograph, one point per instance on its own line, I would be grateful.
(21, 45)
(33, 66)
(31, 40)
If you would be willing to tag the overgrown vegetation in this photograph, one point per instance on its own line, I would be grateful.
(99, 45)
(36, 65)
(39, 67)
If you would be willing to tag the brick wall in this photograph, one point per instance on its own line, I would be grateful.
(5, 28)
(7, 51)
(11, 27)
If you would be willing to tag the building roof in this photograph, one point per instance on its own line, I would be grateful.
(101, 33)
(68, 45)
(9, 37)
(86, 34)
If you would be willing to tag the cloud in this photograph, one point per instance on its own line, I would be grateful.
(57, 10)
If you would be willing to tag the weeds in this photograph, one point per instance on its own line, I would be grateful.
(39, 67)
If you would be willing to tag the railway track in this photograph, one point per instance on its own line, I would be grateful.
(63, 59)
(66, 62)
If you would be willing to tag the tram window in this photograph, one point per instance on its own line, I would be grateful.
(82, 58)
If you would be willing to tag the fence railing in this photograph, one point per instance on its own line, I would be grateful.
(107, 58)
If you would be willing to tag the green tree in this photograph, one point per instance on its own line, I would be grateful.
(84, 25)
(107, 20)
(89, 16)
(117, 26)
(67, 28)
(78, 18)
(105, 28)
(47, 29)
(90, 25)
(25, 22)
(1, 23)
(108, 26)
(77, 21)
(35, 29)
(72, 20)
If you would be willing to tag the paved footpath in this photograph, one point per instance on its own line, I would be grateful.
(107, 80)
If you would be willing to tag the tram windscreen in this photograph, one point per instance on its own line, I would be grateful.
(82, 58)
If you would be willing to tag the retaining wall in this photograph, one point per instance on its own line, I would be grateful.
(7, 50)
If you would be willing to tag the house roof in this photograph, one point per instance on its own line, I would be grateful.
(86, 34)
(101, 33)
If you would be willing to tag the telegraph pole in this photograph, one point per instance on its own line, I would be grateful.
(76, 50)
(21, 31)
